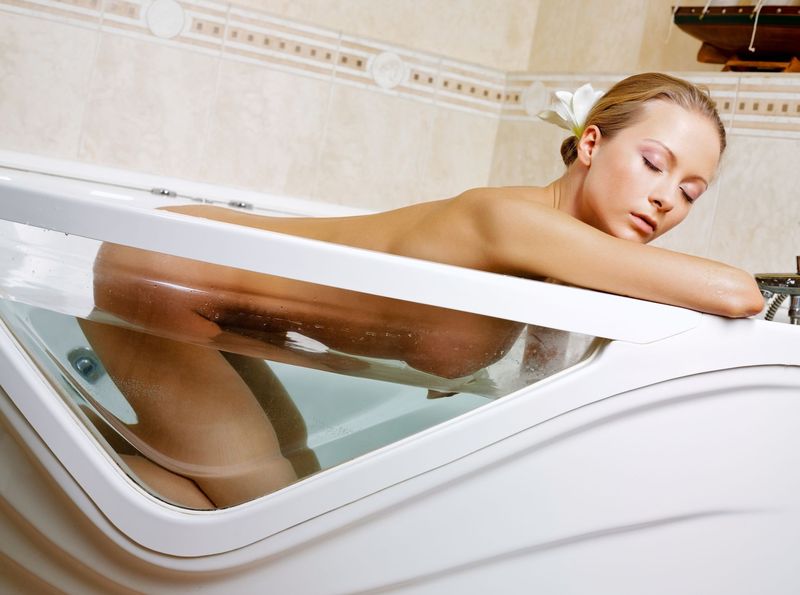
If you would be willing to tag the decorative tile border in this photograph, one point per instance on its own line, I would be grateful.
(768, 106)
(752, 105)
(748, 104)
(72, 13)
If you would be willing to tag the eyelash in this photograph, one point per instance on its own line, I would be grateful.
(649, 164)
(652, 167)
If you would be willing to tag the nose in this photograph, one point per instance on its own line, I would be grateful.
(660, 199)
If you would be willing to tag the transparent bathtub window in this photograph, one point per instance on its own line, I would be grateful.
(214, 386)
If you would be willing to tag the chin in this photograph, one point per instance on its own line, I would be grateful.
(634, 237)
(626, 233)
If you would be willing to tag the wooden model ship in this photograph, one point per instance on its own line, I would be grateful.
(765, 38)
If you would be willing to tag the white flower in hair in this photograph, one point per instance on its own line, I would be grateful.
(573, 108)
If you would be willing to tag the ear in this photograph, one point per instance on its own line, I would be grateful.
(588, 143)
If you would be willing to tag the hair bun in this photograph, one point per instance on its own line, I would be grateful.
(569, 150)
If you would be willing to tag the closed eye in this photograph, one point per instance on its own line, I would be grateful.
(650, 165)
(686, 195)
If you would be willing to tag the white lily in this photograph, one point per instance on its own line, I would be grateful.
(570, 114)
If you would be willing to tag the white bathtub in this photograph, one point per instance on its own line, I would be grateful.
(665, 461)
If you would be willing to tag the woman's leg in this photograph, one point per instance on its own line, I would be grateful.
(196, 416)
(286, 419)
(168, 485)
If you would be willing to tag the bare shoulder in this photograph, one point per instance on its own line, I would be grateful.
(523, 194)
(489, 210)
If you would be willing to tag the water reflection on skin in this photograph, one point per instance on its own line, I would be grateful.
(252, 313)
(218, 428)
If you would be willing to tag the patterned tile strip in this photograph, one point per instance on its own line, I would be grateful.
(59, 11)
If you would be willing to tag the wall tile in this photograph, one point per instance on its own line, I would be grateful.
(41, 60)
(590, 36)
(757, 225)
(459, 155)
(587, 36)
(676, 54)
(481, 31)
(768, 105)
(148, 107)
(553, 41)
(485, 31)
(371, 153)
(527, 153)
(265, 130)
(607, 36)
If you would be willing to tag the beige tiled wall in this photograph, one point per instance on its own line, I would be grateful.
(246, 99)
(460, 153)
(147, 106)
(757, 222)
(487, 32)
(265, 130)
(526, 153)
(32, 76)
(664, 46)
(372, 152)
(243, 99)
(624, 35)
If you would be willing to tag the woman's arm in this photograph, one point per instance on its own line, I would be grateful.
(505, 230)
(529, 239)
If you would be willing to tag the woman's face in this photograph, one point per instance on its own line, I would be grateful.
(642, 182)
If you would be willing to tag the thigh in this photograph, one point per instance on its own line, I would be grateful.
(167, 485)
(195, 415)
(286, 419)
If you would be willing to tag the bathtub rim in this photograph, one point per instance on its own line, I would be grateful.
(67, 205)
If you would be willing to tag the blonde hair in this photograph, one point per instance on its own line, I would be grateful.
(622, 106)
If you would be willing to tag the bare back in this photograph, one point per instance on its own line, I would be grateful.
(439, 230)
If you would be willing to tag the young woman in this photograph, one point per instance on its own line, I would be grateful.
(647, 151)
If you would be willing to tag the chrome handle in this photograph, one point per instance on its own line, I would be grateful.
(780, 286)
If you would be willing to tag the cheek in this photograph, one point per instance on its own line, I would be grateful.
(677, 216)
(621, 173)
(616, 185)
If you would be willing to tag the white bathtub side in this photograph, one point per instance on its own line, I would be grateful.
(718, 345)
(687, 486)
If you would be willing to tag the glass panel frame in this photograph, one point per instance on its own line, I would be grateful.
(378, 414)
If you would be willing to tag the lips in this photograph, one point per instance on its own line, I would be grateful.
(644, 223)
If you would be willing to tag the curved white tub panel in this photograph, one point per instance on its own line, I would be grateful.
(620, 367)
(688, 486)
(662, 490)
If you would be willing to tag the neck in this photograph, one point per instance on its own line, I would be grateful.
(566, 190)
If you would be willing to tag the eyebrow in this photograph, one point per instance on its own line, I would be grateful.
(673, 158)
